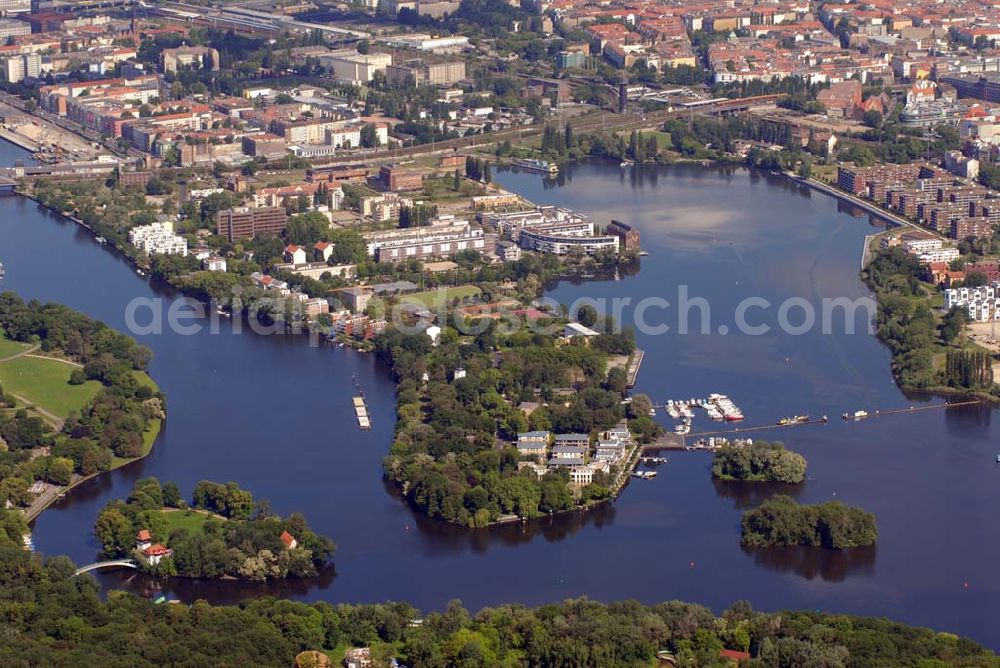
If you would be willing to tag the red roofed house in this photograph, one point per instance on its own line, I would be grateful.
(323, 250)
(733, 655)
(936, 272)
(288, 540)
(154, 553)
(143, 540)
(295, 254)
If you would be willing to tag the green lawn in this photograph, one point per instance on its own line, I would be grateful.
(432, 298)
(186, 519)
(9, 348)
(45, 383)
(663, 139)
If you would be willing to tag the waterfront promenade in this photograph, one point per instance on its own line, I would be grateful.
(868, 207)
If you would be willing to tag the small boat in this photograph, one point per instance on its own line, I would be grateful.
(642, 253)
(998, 459)
(3, 272)
(652, 412)
(101, 240)
(784, 422)
(802, 418)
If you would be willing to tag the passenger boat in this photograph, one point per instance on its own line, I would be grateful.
(538, 165)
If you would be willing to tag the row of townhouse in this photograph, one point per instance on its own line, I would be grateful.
(982, 303)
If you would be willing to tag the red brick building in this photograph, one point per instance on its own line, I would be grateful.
(397, 179)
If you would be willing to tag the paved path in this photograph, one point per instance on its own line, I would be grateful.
(26, 351)
(56, 421)
(46, 357)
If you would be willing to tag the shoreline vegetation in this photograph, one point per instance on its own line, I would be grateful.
(782, 521)
(93, 407)
(56, 618)
(221, 534)
(929, 354)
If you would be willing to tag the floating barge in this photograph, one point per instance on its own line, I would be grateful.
(361, 412)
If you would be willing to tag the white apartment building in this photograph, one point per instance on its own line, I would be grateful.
(15, 6)
(355, 68)
(13, 27)
(939, 255)
(158, 239)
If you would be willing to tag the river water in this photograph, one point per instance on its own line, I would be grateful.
(274, 414)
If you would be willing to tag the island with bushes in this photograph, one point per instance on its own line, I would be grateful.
(782, 521)
(222, 534)
(54, 618)
(75, 401)
(759, 461)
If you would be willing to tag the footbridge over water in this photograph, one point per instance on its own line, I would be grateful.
(114, 563)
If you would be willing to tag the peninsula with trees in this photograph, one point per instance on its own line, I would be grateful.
(75, 401)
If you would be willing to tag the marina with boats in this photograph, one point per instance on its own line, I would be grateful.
(717, 407)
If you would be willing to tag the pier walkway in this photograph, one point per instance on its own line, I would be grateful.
(849, 418)
(634, 363)
(868, 207)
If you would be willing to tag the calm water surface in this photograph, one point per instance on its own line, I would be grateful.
(274, 415)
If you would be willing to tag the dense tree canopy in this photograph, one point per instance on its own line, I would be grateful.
(759, 461)
(54, 619)
(782, 521)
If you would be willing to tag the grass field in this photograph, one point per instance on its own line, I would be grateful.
(9, 348)
(432, 298)
(45, 383)
(191, 520)
(663, 139)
